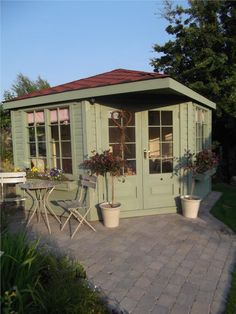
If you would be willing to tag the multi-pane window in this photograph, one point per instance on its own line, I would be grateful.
(160, 134)
(122, 141)
(61, 156)
(50, 126)
(201, 129)
(37, 139)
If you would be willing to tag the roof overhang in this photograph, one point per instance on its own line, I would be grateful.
(155, 85)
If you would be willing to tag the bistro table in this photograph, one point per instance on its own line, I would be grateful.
(40, 192)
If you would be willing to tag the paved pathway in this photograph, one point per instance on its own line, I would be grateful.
(156, 264)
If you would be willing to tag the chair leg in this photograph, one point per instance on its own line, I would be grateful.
(76, 229)
(83, 219)
(66, 221)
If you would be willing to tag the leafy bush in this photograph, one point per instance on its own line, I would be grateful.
(36, 281)
(21, 266)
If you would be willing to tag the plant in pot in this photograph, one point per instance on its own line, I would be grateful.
(109, 166)
(196, 166)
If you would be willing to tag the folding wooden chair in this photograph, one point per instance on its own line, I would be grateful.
(76, 208)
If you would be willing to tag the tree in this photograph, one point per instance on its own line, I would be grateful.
(202, 56)
(22, 86)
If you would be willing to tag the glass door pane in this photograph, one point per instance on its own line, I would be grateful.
(160, 141)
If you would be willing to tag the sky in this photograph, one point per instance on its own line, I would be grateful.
(63, 41)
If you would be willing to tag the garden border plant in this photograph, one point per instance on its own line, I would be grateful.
(36, 281)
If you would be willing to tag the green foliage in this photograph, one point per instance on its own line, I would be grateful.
(36, 281)
(5, 137)
(225, 210)
(231, 300)
(67, 290)
(102, 164)
(202, 55)
(20, 273)
(23, 85)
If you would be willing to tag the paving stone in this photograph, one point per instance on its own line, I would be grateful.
(146, 303)
(172, 289)
(177, 279)
(189, 288)
(184, 271)
(200, 307)
(156, 289)
(160, 309)
(166, 300)
(217, 307)
(179, 309)
(158, 264)
(128, 304)
(135, 293)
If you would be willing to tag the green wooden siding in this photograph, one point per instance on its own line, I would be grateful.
(77, 138)
(19, 138)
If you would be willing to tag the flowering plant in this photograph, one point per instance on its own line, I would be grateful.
(199, 163)
(101, 164)
(49, 174)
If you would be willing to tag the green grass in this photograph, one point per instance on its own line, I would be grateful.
(225, 210)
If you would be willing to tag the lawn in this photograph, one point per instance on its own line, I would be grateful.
(225, 210)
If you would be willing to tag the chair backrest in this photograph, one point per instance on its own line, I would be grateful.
(12, 177)
(87, 182)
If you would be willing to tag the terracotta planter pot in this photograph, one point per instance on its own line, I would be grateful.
(190, 205)
(111, 215)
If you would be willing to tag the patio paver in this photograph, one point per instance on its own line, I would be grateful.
(154, 264)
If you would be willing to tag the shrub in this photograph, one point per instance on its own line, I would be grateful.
(36, 281)
(20, 269)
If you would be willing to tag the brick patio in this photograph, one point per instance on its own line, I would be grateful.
(155, 264)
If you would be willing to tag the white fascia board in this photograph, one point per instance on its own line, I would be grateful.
(147, 85)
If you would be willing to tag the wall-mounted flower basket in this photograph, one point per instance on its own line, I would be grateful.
(206, 175)
(66, 185)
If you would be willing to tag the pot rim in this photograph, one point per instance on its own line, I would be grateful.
(188, 197)
(116, 205)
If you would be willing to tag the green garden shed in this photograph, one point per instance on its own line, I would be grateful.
(156, 118)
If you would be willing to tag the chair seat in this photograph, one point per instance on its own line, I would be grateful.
(12, 199)
(67, 204)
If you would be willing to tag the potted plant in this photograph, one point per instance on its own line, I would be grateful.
(198, 166)
(105, 164)
(62, 182)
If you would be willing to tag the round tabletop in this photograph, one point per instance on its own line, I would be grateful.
(37, 185)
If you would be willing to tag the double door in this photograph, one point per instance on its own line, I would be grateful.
(148, 141)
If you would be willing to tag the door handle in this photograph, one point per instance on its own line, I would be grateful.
(146, 153)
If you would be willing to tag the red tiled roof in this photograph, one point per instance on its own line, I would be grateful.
(118, 76)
